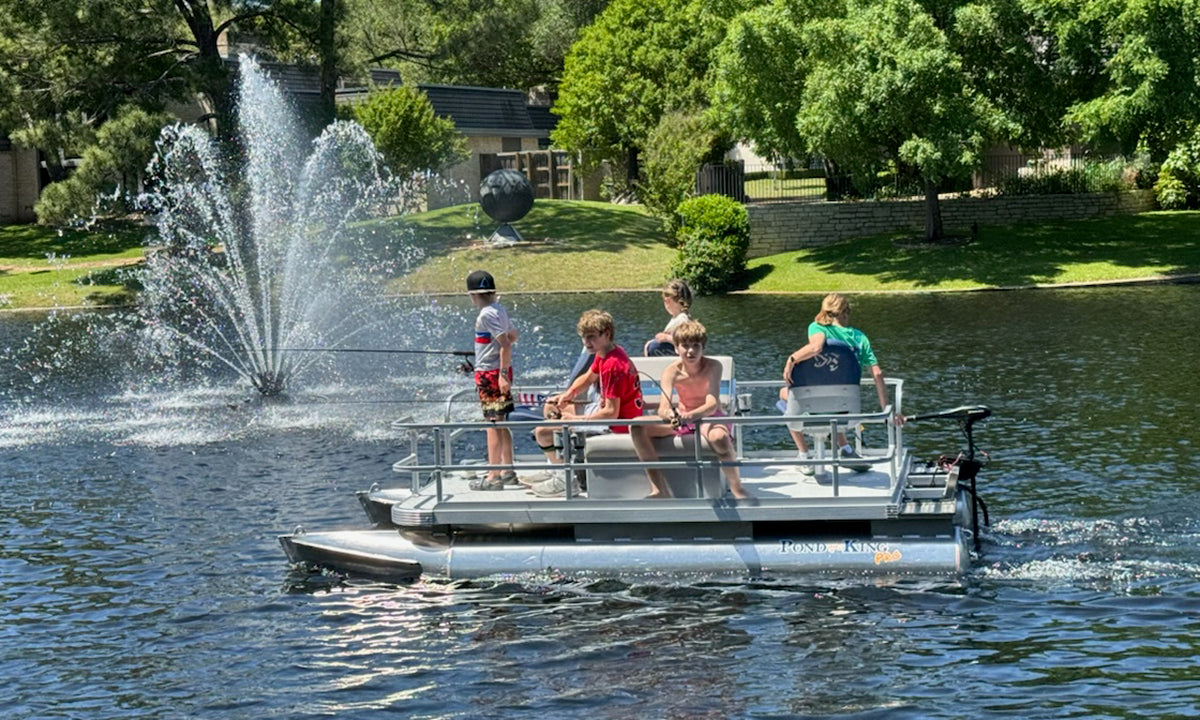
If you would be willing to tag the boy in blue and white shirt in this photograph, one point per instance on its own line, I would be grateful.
(494, 338)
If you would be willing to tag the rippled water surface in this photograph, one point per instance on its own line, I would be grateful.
(140, 574)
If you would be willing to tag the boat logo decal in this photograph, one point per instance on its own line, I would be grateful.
(887, 556)
(826, 361)
(881, 552)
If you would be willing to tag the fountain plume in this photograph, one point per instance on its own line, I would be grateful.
(262, 259)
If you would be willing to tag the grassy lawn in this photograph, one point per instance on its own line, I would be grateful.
(1123, 247)
(569, 245)
(597, 246)
(46, 267)
(785, 188)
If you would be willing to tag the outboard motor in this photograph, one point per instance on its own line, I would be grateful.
(968, 466)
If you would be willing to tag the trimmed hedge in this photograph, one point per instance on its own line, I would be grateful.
(714, 236)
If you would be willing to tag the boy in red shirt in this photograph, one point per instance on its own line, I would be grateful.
(620, 393)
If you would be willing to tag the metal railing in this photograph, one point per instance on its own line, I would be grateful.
(444, 434)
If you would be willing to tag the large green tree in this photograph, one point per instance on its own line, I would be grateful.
(884, 84)
(67, 65)
(640, 59)
(1140, 65)
(493, 43)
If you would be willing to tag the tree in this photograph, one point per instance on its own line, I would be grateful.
(759, 72)
(676, 147)
(640, 59)
(403, 125)
(493, 43)
(110, 170)
(1143, 59)
(872, 85)
(887, 85)
(65, 67)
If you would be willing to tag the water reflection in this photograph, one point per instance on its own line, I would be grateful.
(140, 575)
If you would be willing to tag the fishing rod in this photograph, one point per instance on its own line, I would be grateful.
(462, 353)
(466, 367)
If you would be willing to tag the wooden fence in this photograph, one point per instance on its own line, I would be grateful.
(550, 172)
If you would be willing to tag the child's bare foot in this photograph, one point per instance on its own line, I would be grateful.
(739, 492)
(657, 495)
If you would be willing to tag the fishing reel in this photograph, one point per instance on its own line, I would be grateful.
(467, 366)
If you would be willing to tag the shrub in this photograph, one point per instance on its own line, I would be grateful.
(676, 148)
(1178, 185)
(110, 171)
(403, 126)
(714, 235)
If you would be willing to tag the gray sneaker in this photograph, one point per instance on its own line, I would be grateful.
(805, 469)
(554, 487)
(533, 478)
(851, 455)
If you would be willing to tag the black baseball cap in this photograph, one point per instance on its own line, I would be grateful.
(481, 281)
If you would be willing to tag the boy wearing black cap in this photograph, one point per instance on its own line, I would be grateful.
(494, 337)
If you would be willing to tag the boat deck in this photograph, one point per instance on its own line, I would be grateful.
(781, 492)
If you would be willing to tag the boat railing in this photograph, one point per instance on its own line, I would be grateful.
(442, 436)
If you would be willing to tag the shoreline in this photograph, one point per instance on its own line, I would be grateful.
(1187, 279)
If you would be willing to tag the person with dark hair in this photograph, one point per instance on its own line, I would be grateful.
(677, 300)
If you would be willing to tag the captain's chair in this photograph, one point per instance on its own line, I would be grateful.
(825, 384)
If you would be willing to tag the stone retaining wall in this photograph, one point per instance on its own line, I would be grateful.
(778, 227)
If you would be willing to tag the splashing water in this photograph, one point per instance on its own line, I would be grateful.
(258, 264)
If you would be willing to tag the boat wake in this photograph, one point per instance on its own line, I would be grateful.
(1108, 553)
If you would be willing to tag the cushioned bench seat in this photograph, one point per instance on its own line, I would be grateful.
(613, 483)
(629, 483)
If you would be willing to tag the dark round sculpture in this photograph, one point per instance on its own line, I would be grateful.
(506, 195)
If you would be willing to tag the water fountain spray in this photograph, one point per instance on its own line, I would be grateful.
(257, 250)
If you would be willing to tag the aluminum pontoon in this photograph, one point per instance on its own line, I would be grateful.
(902, 515)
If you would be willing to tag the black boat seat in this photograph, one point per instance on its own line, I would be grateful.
(826, 384)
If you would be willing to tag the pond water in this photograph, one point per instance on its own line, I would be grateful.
(140, 574)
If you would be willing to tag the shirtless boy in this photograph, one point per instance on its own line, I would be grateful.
(696, 380)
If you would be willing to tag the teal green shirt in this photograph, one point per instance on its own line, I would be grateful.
(852, 337)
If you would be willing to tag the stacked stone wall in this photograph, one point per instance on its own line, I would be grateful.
(781, 226)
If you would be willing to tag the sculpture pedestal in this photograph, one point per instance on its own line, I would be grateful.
(505, 235)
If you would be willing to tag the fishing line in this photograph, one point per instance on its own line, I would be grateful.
(461, 353)
(466, 367)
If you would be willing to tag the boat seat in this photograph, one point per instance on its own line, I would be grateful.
(656, 348)
(627, 483)
(826, 384)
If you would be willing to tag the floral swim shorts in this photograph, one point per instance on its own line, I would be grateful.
(496, 405)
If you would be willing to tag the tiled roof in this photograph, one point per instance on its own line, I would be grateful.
(541, 117)
(295, 80)
(478, 110)
(384, 77)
